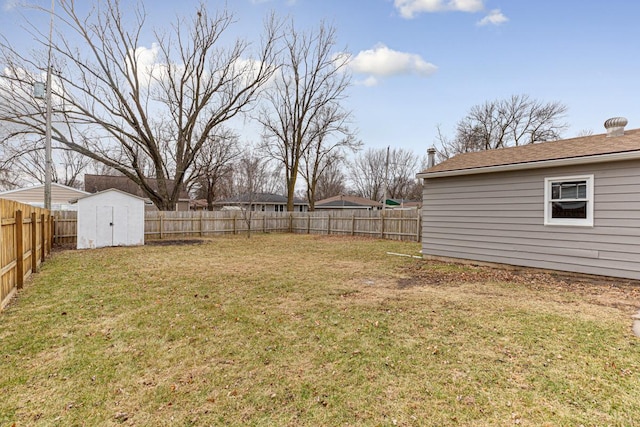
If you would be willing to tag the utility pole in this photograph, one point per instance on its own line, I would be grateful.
(47, 138)
(386, 181)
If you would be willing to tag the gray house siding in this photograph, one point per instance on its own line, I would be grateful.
(499, 218)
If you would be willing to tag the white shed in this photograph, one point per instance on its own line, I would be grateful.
(110, 218)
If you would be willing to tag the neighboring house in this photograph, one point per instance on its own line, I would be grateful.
(198, 205)
(404, 204)
(571, 205)
(61, 196)
(342, 202)
(97, 183)
(110, 218)
(262, 202)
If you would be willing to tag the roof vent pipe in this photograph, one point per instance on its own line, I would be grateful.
(615, 126)
(431, 157)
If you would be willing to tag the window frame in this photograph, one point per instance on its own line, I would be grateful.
(576, 222)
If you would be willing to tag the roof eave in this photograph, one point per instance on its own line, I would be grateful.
(600, 158)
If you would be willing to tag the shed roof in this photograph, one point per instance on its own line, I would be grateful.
(110, 190)
(586, 149)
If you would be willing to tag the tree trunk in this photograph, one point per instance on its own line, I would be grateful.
(291, 187)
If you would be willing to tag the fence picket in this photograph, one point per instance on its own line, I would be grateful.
(20, 254)
(395, 225)
(19, 250)
(34, 242)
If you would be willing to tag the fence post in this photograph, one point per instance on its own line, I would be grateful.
(43, 239)
(51, 228)
(1, 246)
(56, 239)
(34, 242)
(353, 223)
(365, 221)
(19, 250)
(47, 234)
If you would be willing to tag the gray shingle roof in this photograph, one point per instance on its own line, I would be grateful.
(267, 198)
(346, 201)
(97, 183)
(581, 147)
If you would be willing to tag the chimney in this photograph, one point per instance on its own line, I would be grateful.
(431, 157)
(615, 126)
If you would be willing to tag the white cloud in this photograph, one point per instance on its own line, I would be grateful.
(147, 64)
(152, 68)
(10, 4)
(495, 17)
(384, 62)
(369, 81)
(147, 57)
(409, 8)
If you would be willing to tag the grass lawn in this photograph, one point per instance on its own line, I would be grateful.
(289, 330)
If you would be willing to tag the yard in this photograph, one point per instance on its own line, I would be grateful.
(304, 330)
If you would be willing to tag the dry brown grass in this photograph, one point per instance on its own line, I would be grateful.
(307, 330)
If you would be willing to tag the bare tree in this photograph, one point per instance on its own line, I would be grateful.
(514, 121)
(273, 179)
(370, 169)
(143, 112)
(29, 162)
(325, 149)
(403, 167)
(331, 182)
(584, 132)
(9, 176)
(367, 173)
(252, 174)
(303, 106)
(97, 168)
(414, 186)
(212, 167)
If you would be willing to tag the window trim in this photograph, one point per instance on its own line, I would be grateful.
(577, 222)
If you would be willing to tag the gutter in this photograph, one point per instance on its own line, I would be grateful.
(599, 158)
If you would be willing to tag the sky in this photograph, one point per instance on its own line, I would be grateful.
(420, 64)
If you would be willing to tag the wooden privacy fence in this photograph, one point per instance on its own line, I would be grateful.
(25, 240)
(66, 231)
(390, 224)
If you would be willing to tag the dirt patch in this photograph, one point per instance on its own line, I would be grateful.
(605, 291)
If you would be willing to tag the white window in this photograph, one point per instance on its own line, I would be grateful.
(568, 200)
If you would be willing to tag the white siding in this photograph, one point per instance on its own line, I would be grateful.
(110, 218)
(499, 217)
(60, 195)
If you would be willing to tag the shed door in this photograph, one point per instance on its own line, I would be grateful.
(120, 226)
(104, 226)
